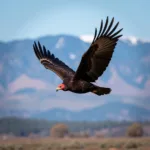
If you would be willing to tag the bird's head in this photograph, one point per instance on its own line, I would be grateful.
(61, 87)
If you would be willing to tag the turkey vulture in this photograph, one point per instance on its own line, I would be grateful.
(93, 62)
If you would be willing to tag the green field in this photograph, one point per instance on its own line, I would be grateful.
(75, 144)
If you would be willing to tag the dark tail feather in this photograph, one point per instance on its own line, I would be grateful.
(101, 91)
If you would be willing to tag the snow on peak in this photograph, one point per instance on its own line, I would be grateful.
(72, 56)
(60, 43)
(89, 38)
(132, 39)
(139, 79)
(86, 38)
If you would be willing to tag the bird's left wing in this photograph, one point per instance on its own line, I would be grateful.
(96, 59)
(51, 62)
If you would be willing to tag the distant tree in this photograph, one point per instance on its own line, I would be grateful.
(59, 130)
(135, 130)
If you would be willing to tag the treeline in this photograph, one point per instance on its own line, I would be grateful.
(23, 127)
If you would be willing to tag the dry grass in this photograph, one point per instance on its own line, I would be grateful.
(76, 144)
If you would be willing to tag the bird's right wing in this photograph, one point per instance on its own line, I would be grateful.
(51, 62)
(96, 59)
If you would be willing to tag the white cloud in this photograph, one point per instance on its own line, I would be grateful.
(60, 43)
(72, 56)
(26, 82)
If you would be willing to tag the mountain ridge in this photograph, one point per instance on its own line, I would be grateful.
(18, 62)
(119, 113)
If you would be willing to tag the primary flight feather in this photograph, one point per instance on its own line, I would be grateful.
(93, 62)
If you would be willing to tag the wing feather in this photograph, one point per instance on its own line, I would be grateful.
(96, 59)
(50, 62)
(105, 26)
(101, 26)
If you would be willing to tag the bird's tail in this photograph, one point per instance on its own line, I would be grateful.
(101, 90)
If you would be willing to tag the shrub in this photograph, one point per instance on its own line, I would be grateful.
(130, 145)
(135, 130)
(59, 130)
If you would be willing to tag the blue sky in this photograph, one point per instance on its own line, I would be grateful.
(30, 19)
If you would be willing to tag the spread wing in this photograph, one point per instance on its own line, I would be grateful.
(51, 62)
(96, 59)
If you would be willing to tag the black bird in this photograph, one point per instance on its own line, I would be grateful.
(93, 62)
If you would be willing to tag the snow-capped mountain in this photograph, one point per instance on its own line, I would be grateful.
(27, 88)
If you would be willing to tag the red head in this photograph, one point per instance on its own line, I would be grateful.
(60, 87)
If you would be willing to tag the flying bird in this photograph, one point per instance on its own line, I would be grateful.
(92, 65)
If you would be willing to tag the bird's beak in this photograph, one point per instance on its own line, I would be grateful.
(57, 89)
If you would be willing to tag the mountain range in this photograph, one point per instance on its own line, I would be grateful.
(27, 89)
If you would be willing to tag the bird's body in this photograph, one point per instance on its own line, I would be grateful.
(77, 86)
(81, 86)
(93, 63)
